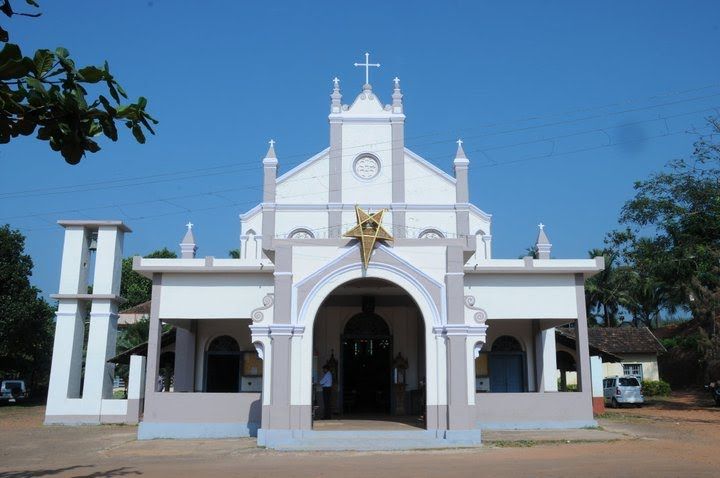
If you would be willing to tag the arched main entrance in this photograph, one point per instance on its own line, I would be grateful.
(371, 335)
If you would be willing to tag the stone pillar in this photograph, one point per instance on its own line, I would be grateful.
(270, 164)
(598, 399)
(335, 165)
(185, 344)
(461, 414)
(582, 347)
(103, 315)
(135, 389)
(153, 351)
(67, 355)
(462, 192)
(279, 408)
(545, 359)
(487, 246)
(276, 410)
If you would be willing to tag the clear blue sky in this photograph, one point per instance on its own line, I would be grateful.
(538, 90)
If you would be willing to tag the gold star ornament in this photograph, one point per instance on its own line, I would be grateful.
(368, 230)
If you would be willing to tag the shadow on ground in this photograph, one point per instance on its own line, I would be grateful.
(122, 471)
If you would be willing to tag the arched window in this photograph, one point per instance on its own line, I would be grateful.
(506, 343)
(366, 324)
(222, 372)
(301, 233)
(431, 234)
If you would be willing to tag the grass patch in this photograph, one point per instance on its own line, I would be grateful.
(513, 443)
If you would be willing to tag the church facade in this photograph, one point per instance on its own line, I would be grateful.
(365, 259)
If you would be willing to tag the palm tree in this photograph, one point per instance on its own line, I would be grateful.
(606, 292)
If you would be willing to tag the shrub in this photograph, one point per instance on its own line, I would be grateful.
(655, 388)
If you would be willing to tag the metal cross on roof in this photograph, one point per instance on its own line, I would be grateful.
(271, 143)
(189, 225)
(367, 66)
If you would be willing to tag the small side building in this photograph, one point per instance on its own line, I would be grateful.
(626, 350)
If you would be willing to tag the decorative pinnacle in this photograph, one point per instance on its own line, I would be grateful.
(336, 83)
(271, 150)
(396, 80)
(460, 154)
(541, 226)
(189, 225)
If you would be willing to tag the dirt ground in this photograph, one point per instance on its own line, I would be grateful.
(678, 436)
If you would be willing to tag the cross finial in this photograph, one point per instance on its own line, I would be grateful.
(336, 82)
(541, 226)
(396, 80)
(367, 66)
(189, 225)
(459, 142)
(271, 143)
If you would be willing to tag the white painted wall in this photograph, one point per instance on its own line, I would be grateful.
(212, 296)
(287, 221)
(306, 185)
(648, 362)
(536, 296)
(423, 184)
(444, 221)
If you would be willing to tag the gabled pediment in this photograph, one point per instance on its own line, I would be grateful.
(366, 103)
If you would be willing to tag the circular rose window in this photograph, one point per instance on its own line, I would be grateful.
(366, 167)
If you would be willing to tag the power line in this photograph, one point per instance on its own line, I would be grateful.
(254, 202)
(227, 167)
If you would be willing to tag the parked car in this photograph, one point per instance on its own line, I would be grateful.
(714, 389)
(623, 390)
(12, 391)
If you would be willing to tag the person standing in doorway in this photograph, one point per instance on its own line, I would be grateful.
(326, 383)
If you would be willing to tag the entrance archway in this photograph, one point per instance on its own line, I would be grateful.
(371, 335)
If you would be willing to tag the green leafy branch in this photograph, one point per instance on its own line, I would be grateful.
(48, 94)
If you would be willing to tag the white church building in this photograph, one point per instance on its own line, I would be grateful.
(365, 258)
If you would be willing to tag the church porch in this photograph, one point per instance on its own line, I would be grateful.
(516, 378)
(215, 382)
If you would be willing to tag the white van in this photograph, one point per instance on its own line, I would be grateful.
(621, 390)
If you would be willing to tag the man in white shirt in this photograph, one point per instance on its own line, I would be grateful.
(326, 384)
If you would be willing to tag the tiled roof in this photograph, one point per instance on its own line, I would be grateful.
(622, 340)
(143, 308)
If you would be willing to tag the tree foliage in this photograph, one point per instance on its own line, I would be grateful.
(678, 265)
(26, 319)
(48, 93)
(605, 292)
(668, 256)
(135, 288)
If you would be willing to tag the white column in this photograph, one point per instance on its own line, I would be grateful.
(549, 357)
(103, 316)
(101, 347)
(136, 378)
(596, 373)
(67, 357)
(66, 367)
